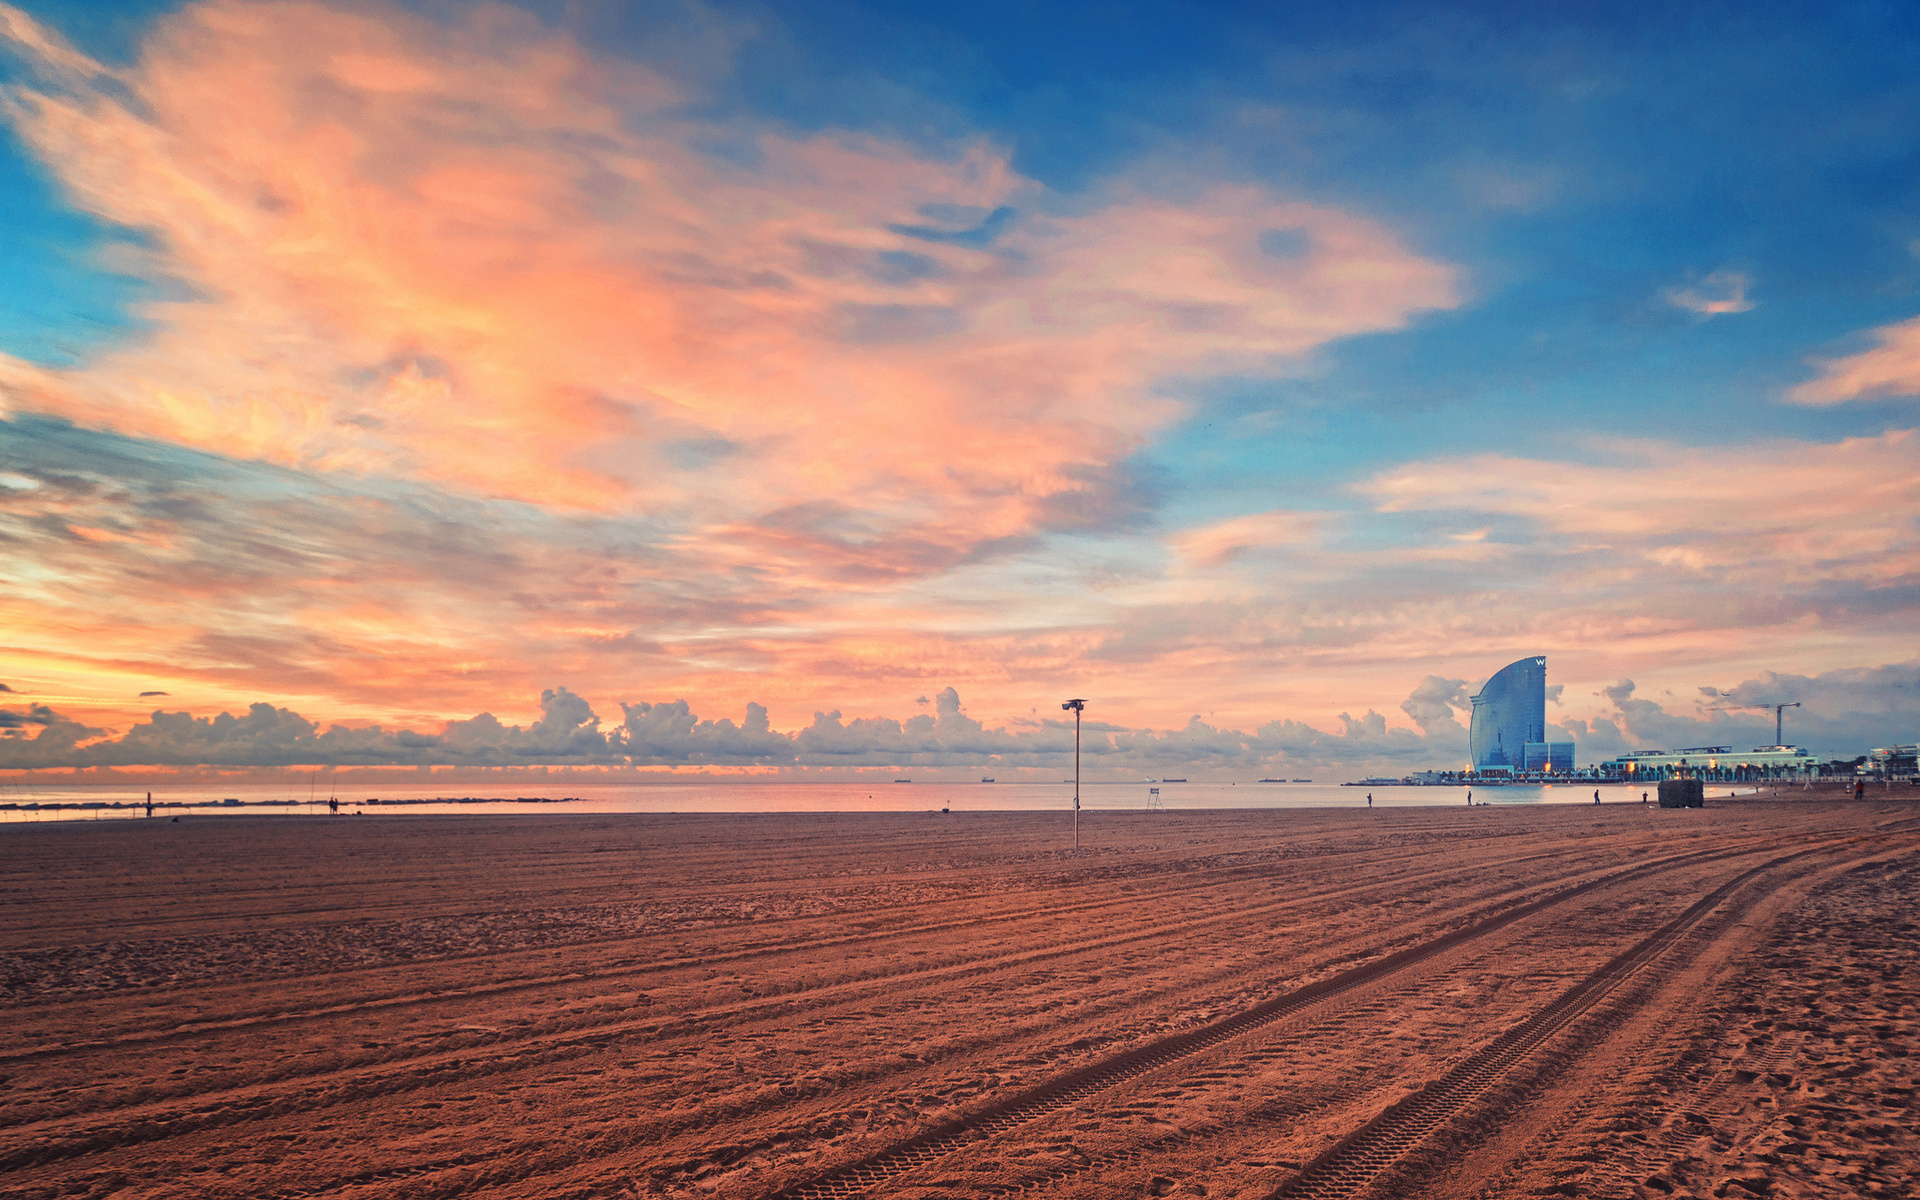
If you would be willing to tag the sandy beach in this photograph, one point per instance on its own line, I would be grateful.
(1569, 1000)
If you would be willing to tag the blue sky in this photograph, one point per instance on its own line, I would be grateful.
(1504, 282)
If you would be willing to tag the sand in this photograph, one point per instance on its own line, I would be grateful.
(1582, 1001)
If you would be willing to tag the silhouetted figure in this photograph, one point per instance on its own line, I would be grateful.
(333, 805)
(1643, 799)
(149, 803)
(1469, 797)
(1596, 795)
(1369, 799)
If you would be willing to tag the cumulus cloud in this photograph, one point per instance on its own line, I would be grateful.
(1844, 712)
(1718, 294)
(38, 736)
(1434, 702)
(654, 734)
(945, 736)
(569, 732)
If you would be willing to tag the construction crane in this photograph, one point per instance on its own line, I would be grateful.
(1779, 711)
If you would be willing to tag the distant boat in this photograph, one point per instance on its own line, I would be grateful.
(1270, 781)
(903, 781)
(986, 779)
(1171, 781)
(1303, 781)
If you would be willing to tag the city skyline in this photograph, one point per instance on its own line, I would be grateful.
(851, 375)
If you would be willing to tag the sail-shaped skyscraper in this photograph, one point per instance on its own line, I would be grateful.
(1509, 728)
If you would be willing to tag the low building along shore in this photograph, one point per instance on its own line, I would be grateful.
(1713, 762)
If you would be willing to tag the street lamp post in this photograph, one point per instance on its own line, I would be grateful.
(1078, 706)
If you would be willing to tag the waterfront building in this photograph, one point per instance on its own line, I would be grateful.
(1509, 713)
(1713, 762)
(1894, 760)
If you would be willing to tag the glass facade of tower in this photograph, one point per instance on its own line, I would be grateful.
(1508, 713)
(1560, 757)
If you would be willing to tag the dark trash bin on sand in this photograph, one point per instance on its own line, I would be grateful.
(1682, 793)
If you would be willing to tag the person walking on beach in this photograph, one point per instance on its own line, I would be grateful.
(1469, 797)
(1596, 795)
(1643, 798)
(1369, 799)
(149, 803)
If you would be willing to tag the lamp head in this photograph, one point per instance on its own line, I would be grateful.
(1075, 705)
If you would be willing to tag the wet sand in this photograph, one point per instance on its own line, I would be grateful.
(1583, 1001)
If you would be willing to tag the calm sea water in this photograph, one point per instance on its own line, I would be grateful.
(290, 799)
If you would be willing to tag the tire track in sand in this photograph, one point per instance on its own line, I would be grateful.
(1351, 1166)
(208, 1109)
(873, 1171)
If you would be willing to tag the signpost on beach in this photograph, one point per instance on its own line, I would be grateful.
(1078, 706)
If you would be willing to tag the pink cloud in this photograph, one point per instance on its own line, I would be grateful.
(1890, 368)
(1717, 295)
(1223, 541)
(479, 255)
(1841, 510)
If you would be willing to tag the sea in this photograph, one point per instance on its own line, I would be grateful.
(34, 801)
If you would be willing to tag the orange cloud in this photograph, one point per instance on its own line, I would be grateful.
(477, 254)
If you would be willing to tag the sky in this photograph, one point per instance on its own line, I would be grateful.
(797, 389)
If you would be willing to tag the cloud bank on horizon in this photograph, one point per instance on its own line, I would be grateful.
(755, 355)
(1842, 706)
